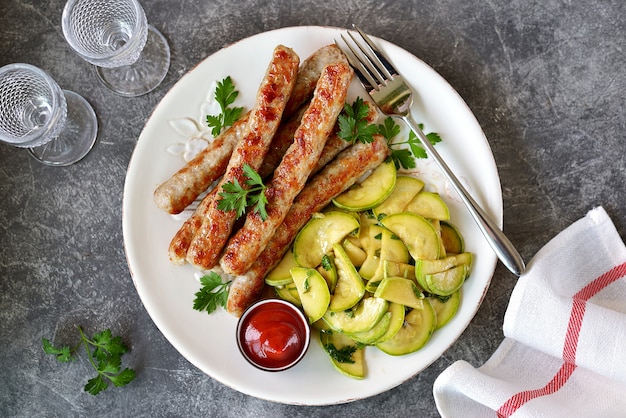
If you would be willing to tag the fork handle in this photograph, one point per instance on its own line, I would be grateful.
(501, 245)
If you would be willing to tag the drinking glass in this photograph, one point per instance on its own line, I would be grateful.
(131, 56)
(58, 126)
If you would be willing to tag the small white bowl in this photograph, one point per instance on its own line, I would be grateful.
(273, 335)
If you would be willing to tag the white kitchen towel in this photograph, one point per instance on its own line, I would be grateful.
(564, 351)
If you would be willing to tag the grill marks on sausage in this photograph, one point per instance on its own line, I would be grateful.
(176, 193)
(214, 161)
(274, 91)
(310, 72)
(184, 186)
(334, 175)
(179, 245)
(290, 176)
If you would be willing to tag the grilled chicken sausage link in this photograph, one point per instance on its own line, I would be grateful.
(180, 243)
(184, 186)
(309, 73)
(280, 143)
(334, 179)
(177, 192)
(265, 116)
(289, 178)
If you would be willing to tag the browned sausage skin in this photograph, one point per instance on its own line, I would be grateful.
(289, 178)
(309, 73)
(176, 193)
(280, 143)
(182, 240)
(184, 186)
(335, 178)
(272, 97)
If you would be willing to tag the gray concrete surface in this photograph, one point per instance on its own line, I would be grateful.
(546, 80)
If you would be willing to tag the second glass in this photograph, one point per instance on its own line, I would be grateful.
(131, 57)
(58, 126)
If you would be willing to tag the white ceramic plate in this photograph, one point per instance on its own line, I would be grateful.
(167, 291)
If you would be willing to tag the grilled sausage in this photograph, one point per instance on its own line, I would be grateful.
(280, 143)
(289, 178)
(176, 193)
(309, 73)
(184, 186)
(272, 97)
(334, 179)
(182, 240)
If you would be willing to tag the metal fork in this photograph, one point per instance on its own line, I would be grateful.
(394, 97)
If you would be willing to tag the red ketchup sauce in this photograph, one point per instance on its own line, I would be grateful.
(273, 335)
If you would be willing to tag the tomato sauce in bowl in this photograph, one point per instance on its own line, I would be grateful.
(273, 335)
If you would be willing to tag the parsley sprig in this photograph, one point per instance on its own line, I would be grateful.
(225, 95)
(403, 157)
(353, 123)
(354, 126)
(212, 294)
(235, 196)
(106, 359)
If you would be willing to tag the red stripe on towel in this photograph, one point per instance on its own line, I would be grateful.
(579, 304)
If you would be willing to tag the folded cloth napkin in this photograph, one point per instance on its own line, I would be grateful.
(564, 351)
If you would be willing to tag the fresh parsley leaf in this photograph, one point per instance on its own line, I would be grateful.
(433, 138)
(402, 157)
(225, 95)
(122, 379)
(106, 359)
(353, 123)
(233, 197)
(258, 202)
(236, 197)
(212, 294)
(416, 146)
(106, 345)
(63, 354)
(96, 385)
(215, 123)
(225, 92)
(231, 114)
(389, 129)
(253, 177)
(343, 355)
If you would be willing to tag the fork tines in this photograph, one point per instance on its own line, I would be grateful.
(369, 63)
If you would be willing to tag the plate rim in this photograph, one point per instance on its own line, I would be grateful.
(128, 185)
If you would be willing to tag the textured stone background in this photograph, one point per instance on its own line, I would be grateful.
(546, 80)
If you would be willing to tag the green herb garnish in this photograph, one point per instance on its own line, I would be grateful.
(236, 197)
(403, 157)
(212, 294)
(354, 126)
(106, 359)
(225, 95)
(353, 123)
